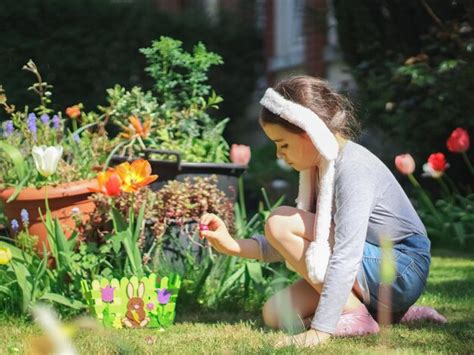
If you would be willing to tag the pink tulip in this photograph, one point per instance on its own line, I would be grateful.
(240, 154)
(405, 164)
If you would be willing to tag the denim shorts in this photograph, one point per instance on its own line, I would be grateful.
(412, 258)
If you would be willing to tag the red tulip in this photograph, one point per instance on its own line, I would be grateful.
(436, 165)
(437, 161)
(405, 164)
(458, 141)
(109, 183)
(240, 154)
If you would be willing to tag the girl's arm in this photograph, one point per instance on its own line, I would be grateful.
(220, 239)
(248, 248)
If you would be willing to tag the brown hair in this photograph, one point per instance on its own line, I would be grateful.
(335, 110)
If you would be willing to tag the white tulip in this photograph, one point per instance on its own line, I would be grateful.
(47, 158)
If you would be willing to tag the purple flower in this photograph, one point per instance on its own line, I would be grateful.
(44, 119)
(25, 216)
(150, 306)
(107, 294)
(32, 124)
(163, 295)
(15, 225)
(8, 128)
(76, 138)
(56, 122)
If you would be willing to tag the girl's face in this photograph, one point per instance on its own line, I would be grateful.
(295, 148)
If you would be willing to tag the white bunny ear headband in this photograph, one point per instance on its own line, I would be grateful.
(319, 251)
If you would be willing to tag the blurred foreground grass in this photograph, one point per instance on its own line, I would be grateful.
(450, 289)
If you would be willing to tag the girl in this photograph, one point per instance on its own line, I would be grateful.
(348, 199)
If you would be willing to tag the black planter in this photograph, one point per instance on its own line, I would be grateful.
(227, 174)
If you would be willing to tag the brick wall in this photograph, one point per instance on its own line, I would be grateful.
(315, 31)
(315, 40)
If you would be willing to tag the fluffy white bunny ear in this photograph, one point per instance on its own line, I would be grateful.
(319, 251)
(304, 118)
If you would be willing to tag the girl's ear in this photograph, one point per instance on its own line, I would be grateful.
(130, 290)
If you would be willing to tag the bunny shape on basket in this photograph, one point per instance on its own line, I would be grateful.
(136, 315)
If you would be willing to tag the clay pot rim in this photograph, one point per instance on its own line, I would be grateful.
(73, 188)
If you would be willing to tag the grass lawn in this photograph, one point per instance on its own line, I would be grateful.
(450, 290)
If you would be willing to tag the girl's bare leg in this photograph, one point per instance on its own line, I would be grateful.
(291, 308)
(290, 230)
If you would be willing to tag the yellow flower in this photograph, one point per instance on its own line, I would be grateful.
(136, 175)
(117, 323)
(5, 255)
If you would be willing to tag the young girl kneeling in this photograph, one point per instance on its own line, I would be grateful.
(348, 199)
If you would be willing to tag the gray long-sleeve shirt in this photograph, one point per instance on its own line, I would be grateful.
(369, 203)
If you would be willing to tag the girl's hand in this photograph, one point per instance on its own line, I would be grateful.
(215, 231)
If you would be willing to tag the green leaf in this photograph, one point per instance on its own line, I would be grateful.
(116, 241)
(109, 157)
(254, 270)
(138, 224)
(83, 128)
(120, 224)
(460, 232)
(231, 280)
(54, 297)
(18, 188)
(23, 279)
(71, 243)
(63, 247)
(50, 230)
(5, 290)
(133, 253)
(387, 267)
(17, 159)
(41, 269)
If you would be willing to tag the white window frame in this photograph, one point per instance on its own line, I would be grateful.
(288, 35)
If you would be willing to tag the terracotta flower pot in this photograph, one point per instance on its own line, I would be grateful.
(62, 199)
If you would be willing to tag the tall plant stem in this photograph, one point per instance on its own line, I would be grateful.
(242, 199)
(468, 163)
(444, 187)
(424, 197)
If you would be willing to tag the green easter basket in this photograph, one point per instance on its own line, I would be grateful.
(149, 302)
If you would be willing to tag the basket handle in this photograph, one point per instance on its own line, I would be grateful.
(176, 154)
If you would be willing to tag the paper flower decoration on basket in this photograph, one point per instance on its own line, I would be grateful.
(148, 302)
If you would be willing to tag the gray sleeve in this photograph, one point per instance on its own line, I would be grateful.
(267, 253)
(355, 194)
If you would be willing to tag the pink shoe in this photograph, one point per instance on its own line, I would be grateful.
(356, 322)
(420, 313)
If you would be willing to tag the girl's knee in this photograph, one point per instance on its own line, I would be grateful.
(270, 315)
(276, 225)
